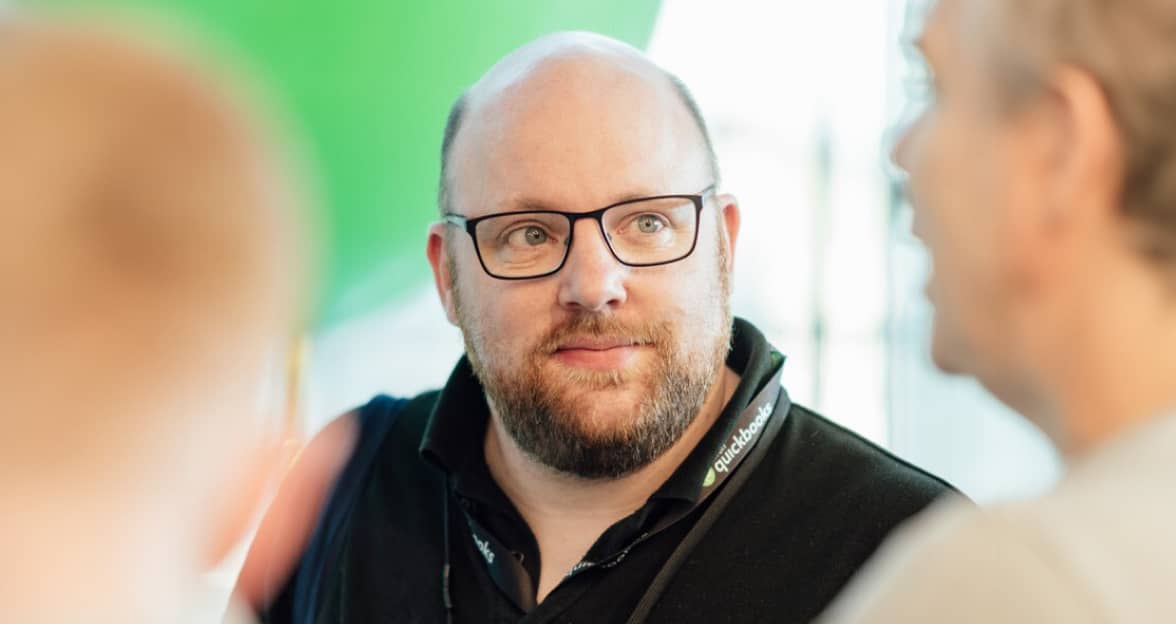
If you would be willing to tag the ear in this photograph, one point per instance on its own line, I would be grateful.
(438, 255)
(1086, 154)
(729, 210)
(1067, 158)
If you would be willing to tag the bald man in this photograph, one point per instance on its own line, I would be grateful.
(147, 259)
(613, 446)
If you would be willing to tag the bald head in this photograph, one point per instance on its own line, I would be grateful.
(560, 71)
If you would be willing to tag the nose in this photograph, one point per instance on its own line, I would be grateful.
(903, 156)
(591, 280)
(900, 153)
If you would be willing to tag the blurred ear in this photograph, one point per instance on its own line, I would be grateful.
(1085, 155)
(438, 254)
(1070, 159)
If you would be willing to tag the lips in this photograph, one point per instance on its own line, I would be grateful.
(599, 352)
(598, 343)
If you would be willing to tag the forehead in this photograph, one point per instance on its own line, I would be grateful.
(574, 133)
(961, 30)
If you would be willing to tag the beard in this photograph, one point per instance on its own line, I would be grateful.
(562, 417)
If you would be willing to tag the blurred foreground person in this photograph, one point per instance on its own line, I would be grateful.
(147, 286)
(1043, 181)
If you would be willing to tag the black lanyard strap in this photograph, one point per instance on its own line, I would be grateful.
(708, 518)
(748, 430)
(763, 413)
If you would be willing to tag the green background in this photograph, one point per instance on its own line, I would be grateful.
(369, 84)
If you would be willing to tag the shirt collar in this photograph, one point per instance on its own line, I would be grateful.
(1147, 450)
(454, 438)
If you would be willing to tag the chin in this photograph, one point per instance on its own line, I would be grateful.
(604, 424)
(604, 403)
(604, 408)
(945, 354)
(598, 381)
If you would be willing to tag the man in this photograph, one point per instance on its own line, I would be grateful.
(147, 250)
(1044, 184)
(613, 447)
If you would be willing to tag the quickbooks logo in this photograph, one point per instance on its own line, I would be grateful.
(484, 547)
(739, 441)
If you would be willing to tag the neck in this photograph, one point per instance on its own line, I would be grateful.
(1115, 371)
(566, 513)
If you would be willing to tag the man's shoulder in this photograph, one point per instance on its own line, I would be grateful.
(409, 412)
(396, 424)
(957, 563)
(817, 451)
(815, 508)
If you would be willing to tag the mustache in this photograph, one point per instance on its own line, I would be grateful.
(595, 325)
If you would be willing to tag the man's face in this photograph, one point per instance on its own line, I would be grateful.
(597, 369)
(970, 176)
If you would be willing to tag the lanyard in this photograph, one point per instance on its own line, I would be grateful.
(512, 578)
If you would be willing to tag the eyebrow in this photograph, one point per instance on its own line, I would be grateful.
(524, 205)
(528, 204)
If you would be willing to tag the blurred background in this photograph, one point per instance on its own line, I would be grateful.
(802, 98)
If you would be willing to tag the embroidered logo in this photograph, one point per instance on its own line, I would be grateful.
(739, 441)
(484, 548)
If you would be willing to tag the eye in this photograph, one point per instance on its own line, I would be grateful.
(650, 224)
(531, 235)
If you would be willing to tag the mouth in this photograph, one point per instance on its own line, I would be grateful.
(599, 352)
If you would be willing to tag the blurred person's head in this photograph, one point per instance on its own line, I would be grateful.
(594, 367)
(1043, 180)
(148, 278)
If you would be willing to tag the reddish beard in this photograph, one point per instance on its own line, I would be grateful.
(555, 415)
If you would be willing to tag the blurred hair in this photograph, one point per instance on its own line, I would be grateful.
(1129, 46)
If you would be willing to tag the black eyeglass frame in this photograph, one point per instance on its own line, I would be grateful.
(470, 225)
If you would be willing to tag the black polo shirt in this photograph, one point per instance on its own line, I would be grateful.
(805, 518)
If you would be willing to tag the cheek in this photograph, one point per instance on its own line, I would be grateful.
(503, 317)
(959, 190)
(687, 294)
(939, 178)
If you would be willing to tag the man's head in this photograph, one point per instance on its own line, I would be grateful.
(1044, 170)
(597, 369)
(147, 273)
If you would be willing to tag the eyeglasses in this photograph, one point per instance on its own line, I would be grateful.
(642, 232)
